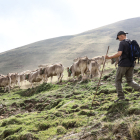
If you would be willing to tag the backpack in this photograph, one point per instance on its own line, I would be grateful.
(134, 50)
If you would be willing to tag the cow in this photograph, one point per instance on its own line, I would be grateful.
(100, 60)
(34, 77)
(53, 70)
(5, 81)
(76, 59)
(94, 68)
(80, 66)
(1, 75)
(22, 78)
(15, 78)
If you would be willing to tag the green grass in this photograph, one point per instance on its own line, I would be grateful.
(53, 111)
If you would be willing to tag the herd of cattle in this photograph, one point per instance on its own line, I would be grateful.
(81, 66)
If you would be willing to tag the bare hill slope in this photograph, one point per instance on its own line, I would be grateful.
(64, 49)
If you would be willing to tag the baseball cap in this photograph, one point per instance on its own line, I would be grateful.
(120, 33)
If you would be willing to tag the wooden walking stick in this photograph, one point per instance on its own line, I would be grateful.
(100, 77)
(96, 90)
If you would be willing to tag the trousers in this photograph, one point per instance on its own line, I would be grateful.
(128, 72)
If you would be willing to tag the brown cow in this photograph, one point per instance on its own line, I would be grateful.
(76, 59)
(94, 68)
(5, 81)
(99, 59)
(53, 70)
(15, 78)
(34, 77)
(22, 78)
(79, 67)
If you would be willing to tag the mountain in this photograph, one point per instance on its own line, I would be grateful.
(64, 49)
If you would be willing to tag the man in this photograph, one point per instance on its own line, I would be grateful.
(125, 66)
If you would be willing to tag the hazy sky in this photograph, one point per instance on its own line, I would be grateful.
(27, 21)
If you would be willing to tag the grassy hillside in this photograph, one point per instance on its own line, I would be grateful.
(64, 49)
(63, 111)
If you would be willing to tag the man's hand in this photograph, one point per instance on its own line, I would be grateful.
(118, 54)
(107, 57)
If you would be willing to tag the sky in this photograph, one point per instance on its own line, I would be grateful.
(26, 21)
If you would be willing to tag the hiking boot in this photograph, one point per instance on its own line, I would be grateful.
(121, 99)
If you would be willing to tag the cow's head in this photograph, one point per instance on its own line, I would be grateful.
(89, 61)
(113, 60)
(42, 71)
(27, 76)
(69, 71)
(76, 59)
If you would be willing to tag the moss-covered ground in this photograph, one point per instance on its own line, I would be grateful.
(63, 111)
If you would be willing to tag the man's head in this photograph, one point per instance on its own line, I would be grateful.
(121, 35)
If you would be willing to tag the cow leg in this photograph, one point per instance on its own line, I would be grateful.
(82, 73)
(31, 84)
(51, 78)
(61, 77)
(46, 78)
(73, 74)
(4, 89)
(13, 86)
(19, 84)
(92, 73)
(9, 89)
